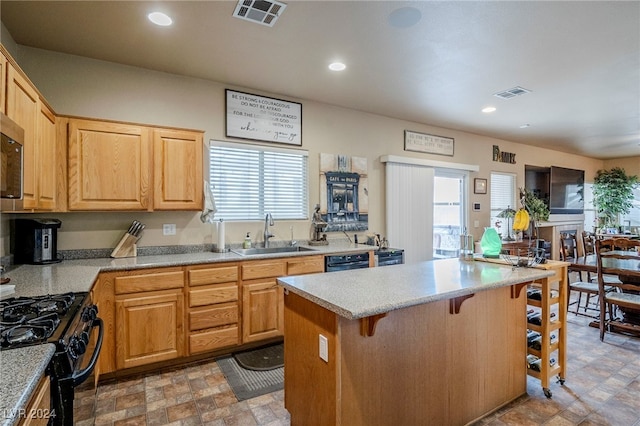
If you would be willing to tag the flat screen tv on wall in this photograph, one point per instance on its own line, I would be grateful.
(567, 191)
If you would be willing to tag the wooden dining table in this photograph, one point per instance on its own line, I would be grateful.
(627, 269)
(612, 266)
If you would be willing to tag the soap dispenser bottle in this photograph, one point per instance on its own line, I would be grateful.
(247, 242)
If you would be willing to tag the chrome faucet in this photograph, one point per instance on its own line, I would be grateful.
(268, 221)
(293, 242)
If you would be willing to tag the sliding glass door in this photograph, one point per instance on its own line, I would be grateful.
(426, 209)
(449, 212)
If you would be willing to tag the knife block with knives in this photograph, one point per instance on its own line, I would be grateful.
(127, 245)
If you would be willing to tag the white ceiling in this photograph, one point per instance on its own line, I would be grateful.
(581, 60)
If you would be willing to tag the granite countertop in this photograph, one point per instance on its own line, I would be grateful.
(79, 275)
(364, 292)
(21, 370)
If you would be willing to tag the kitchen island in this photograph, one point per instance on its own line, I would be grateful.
(439, 342)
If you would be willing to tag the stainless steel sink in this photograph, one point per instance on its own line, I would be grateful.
(270, 250)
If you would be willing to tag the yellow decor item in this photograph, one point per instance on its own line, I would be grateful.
(521, 220)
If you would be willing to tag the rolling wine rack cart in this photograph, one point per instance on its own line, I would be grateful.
(548, 296)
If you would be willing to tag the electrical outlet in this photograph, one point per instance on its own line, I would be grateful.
(476, 223)
(169, 229)
(324, 348)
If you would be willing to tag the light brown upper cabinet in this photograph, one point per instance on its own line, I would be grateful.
(46, 158)
(3, 83)
(177, 170)
(109, 166)
(23, 108)
(122, 166)
(23, 104)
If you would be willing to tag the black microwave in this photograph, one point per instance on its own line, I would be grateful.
(11, 140)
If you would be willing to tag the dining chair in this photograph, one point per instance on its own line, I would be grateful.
(569, 253)
(622, 257)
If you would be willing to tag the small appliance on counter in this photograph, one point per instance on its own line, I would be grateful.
(36, 241)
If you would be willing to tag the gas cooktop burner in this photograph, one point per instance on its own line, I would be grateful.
(25, 320)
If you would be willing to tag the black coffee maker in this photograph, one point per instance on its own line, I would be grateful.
(36, 241)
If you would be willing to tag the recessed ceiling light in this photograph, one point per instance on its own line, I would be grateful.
(488, 109)
(337, 66)
(160, 18)
(404, 17)
(524, 126)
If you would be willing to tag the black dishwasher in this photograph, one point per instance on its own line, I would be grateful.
(389, 256)
(343, 262)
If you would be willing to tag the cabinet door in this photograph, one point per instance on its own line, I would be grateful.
(46, 156)
(262, 310)
(23, 108)
(149, 328)
(108, 166)
(3, 83)
(177, 164)
(39, 406)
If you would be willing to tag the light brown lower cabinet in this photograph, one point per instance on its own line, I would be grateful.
(262, 310)
(150, 328)
(263, 298)
(38, 411)
(149, 316)
(213, 307)
(163, 314)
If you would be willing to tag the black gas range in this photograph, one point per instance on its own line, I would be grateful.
(65, 320)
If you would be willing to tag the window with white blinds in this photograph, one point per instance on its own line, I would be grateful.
(503, 195)
(250, 181)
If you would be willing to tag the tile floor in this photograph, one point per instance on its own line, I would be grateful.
(602, 388)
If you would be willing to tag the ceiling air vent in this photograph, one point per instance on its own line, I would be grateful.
(260, 12)
(512, 93)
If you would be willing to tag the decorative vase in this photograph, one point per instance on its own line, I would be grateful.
(490, 243)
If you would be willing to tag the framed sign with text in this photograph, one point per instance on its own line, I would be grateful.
(479, 186)
(431, 144)
(263, 119)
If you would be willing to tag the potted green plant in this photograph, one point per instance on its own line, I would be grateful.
(612, 195)
(537, 209)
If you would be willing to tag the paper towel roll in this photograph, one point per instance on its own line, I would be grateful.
(220, 235)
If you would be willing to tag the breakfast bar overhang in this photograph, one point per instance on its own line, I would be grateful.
(434, 343)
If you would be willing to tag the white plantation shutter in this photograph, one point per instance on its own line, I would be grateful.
(503, 192)
(503, 195)
(250, 181)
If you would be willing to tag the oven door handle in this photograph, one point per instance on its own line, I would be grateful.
(80, 376)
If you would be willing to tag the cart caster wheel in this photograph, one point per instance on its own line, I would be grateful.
(561, 381)
(547, 392)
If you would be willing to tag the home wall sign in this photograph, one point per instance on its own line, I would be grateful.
(431, 144)
(263, 119)
(503, 157)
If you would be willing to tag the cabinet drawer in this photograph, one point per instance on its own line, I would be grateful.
(305, 265)
(214, 339)
(212, 275)
(149, 282)
(251, 271)
(213, 317)
(214, 294)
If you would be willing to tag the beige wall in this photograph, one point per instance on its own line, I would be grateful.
(79, 86)
(630, 165)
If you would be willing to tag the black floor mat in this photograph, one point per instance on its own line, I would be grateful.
(261, 359)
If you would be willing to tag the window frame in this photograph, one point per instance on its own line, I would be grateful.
(270, 181)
